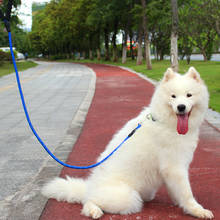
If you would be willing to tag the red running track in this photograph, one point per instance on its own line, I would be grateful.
(120, 95)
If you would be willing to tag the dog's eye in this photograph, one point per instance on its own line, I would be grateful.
(173, 96)
(189, 95)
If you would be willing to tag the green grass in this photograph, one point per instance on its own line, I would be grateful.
(8, 68)
(209, 71)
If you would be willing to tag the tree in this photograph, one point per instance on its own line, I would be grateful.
(3, 5)
(124, 46)
(103, 10)
(213, 7)
(13, 20)
(94, 22)
(126, 23)
(64, 28)
(114, 43)
(202, 29)
(139, 52)
(138, 12)
(159, 24)
(185, 47)
(174, 36)
(146, 37)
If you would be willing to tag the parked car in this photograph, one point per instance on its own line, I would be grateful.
(20, 56)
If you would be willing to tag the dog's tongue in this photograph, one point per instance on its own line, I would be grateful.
(182, 123)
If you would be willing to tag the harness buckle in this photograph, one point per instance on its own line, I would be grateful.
(150, 117)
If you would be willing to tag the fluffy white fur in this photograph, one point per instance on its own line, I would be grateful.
(156, 154)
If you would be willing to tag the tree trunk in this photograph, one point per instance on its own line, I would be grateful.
(174, 52)
(188, 59)
(217, 27)
(147, 54)
(98, 50)
(161, 56)
(98, 54)
(84, 54)
(106, 44)
(115, 55)
(174, 37)
(139, 53)
(146, 37)
(131, 45)
(157, 53)
(124, 48)
(78, 56)
(204, 55)
(91, 36)
(90, 54)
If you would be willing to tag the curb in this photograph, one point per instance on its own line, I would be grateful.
(213, 119)
(141, 75)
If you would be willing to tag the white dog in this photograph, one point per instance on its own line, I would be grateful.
(159, 152)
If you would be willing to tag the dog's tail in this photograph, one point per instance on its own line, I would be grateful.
(70, 189)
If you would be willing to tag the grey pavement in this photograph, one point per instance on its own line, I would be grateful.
(213, 118)
(58, 96)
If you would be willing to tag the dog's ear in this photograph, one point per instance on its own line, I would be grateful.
(192, 73)
(169, 74)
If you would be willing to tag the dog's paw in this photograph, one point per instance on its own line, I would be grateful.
(195, 209)
(204, 213)
(92, 210)
(200, 212)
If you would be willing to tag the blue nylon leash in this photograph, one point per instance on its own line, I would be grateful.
(34, 131)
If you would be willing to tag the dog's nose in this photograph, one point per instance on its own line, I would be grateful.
(181, 108)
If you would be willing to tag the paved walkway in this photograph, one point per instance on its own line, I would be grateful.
(119, 96)
(57, 96)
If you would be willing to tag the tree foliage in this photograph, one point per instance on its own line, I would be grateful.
(14, 24)
(199, 26)
(67, 28)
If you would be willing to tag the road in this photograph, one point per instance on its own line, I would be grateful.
(199, 57)
(215, 57)
(58, 96)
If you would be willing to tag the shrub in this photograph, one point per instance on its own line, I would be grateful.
(6, 56)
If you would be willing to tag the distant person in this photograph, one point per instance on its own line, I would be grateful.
(26, 54)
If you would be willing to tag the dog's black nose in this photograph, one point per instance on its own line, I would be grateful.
(181, 108)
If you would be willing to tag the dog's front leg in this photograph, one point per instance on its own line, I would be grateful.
(177, 182)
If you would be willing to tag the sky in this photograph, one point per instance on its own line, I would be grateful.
(25, 12)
